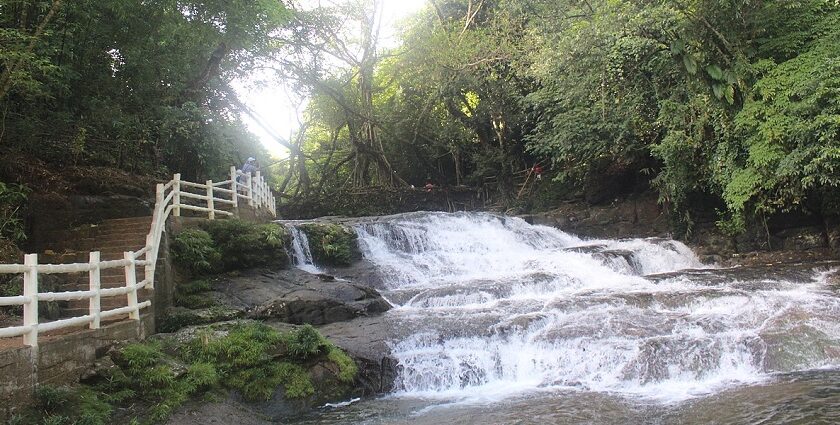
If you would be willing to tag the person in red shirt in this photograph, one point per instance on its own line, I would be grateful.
(537, 170)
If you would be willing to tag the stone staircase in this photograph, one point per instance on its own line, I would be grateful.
(111, 238)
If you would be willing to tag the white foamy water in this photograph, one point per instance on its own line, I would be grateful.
(493, 307)
(300, 251)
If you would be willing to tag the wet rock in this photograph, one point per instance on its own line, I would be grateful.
(298, 297)
(633, 216)
(803, 238)
(179, 317)
(364, 339)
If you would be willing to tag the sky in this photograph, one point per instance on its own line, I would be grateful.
(278, 107)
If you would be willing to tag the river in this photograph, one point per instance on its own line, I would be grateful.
(496, 321)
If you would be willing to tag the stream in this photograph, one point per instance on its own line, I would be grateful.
(499, 321)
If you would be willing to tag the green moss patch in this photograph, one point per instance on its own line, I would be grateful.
(147, 383)
(332, 244)
(180, 317)
(255, 359)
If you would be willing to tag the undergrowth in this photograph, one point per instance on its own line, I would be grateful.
(251, 358)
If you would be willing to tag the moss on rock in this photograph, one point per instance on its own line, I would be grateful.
(332, 244)
(146, 383)
(246, 245)
(180, 317)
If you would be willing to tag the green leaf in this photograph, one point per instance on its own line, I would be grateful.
(729, 94)
(730, 76)
(690, 64)
(677, 47)
(718, 90)
(715, 72)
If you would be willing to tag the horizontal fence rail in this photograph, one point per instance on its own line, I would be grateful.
(170, 199)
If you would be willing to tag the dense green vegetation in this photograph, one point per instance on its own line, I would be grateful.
(732, 104)
(141, 86)
(726, 104)
(151, 379)
(225, 245)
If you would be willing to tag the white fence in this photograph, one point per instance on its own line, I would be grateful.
(170, 198)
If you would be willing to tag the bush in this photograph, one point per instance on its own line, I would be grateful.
(332, 244)
(305, 342)
(195, 251)
(245, 245)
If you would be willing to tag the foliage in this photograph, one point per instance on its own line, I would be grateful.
(66, 406)
(245, 245)
(194, 295)
(331, 244)
(790, 133)
(251, 358)
(305, 342)
(12, 199)
(346, 366)
(247, 359)
(77, 85)
(195, 250)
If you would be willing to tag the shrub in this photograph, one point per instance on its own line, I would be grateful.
(245, 245)
(195, 251)
(305, 342)
(50, 399)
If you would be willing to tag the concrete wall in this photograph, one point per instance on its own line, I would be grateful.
(60, 360)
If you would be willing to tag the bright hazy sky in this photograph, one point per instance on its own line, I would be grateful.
(277, 107)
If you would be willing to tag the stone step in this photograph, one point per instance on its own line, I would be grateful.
(124, 245)
(139, 230)
(120, 227)
(128, 220)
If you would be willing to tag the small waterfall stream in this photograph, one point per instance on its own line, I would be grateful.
(301, 253)
(491, 307)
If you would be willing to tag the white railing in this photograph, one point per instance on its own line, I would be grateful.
(169, 199)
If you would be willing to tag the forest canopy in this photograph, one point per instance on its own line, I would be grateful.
(730, 103)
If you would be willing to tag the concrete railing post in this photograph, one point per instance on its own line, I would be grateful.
(250, 189)
(212, 213)
(158, 194)
(259, 189)
(131, 284)
(30, 290)
(233, 187)
(95, 283)
(176, 200)
(151, 257)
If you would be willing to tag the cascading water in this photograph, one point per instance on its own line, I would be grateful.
(300, 251)
(489, 307)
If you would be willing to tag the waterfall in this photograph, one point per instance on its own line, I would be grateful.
(489, 306)
(300, 251)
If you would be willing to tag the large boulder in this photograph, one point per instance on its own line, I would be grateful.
(297, 297)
